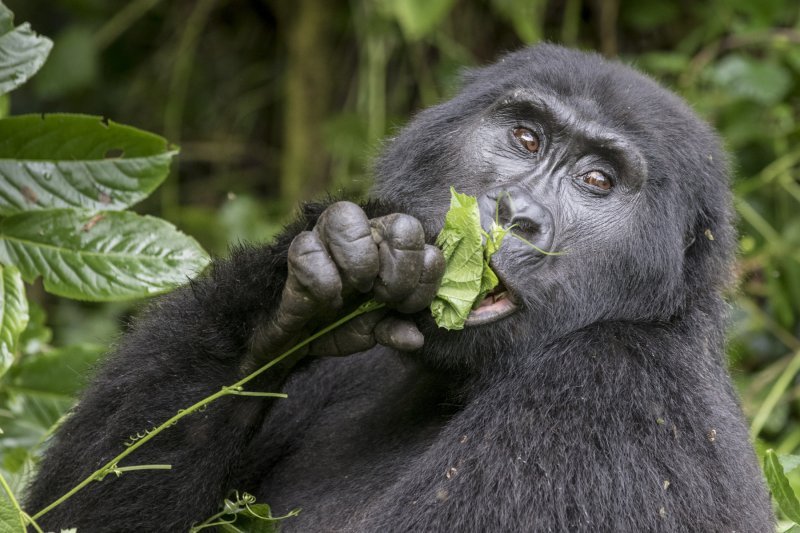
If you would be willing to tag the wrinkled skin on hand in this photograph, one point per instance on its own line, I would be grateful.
(346, 260)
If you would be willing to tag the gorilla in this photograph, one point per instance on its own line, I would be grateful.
(588, 392)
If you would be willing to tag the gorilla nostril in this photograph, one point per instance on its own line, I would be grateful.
(525, 225)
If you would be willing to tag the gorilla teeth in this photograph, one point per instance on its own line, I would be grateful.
(496, 305)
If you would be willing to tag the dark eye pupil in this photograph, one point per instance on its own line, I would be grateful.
(527, 139)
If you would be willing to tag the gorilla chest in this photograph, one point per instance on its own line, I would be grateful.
(366, 419)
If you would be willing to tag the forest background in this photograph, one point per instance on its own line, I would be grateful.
(275, 102)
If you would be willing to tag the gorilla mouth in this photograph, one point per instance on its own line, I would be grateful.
(496, 305)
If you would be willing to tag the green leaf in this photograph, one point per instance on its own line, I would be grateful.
(22, 52)
(418, 18)
(789, 462)
(77, 161)
(28, 419)
(6, 19)
(36, 334)
(257, 518)
(62, 372)
(13, 314)
(113, 255)
(759, 80)
(19, 467)
(465, 276)
(780, 488)
(10, 519)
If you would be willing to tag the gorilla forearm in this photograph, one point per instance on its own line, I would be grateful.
(185, 348)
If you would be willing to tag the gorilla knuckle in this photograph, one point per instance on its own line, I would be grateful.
(343, 223)
(400, 231)
(433, 266)
(312, 268)
(345, 232)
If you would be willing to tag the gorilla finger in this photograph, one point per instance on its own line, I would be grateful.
(352, 337)
(399, 334)
(345, 231)
(429, 281)
(312, 271)
(401, 242)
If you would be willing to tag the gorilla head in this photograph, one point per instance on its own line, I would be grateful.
(586, 158)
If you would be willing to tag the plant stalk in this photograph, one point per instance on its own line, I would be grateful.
(234, 389)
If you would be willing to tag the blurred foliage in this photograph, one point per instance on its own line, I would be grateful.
(275, 102)
(65, 182)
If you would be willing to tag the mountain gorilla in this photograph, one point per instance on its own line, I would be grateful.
(589, 392)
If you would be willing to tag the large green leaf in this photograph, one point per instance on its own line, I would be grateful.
(467, 276)
(58, 373)
(77, 161)
(22, 52)
(780, 487)
(10, 519)
(27, 420)
(13, 314)
(36, 334)
(112, 255)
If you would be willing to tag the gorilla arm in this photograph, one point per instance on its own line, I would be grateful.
(210, 334)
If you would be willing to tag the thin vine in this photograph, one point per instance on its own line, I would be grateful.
(237, 389)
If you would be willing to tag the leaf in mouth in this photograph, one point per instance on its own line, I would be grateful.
(468, 278)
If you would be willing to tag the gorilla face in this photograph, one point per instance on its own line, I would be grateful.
(584, 158)
(564, 184)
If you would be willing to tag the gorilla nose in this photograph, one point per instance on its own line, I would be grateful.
(514, 207)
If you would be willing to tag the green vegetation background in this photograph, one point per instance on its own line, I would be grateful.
(274, 102)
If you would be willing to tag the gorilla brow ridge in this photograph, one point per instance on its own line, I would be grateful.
(605, 141)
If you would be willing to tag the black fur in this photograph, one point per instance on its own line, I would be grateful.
(603, 405)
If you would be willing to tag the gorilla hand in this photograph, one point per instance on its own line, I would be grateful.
(345, 258)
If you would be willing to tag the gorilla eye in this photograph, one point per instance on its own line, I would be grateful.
(528, 139)
(595, 178)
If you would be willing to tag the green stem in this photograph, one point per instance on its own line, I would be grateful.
(235, 389)
(208, 524)
(124, 19)
(185, 59)
(32, 522)
(259, 394)
(14, 501)
(529, 243)
(121, 469)
(775, 394)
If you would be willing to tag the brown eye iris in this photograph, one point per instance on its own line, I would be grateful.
(597, 179)
(528, 139)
